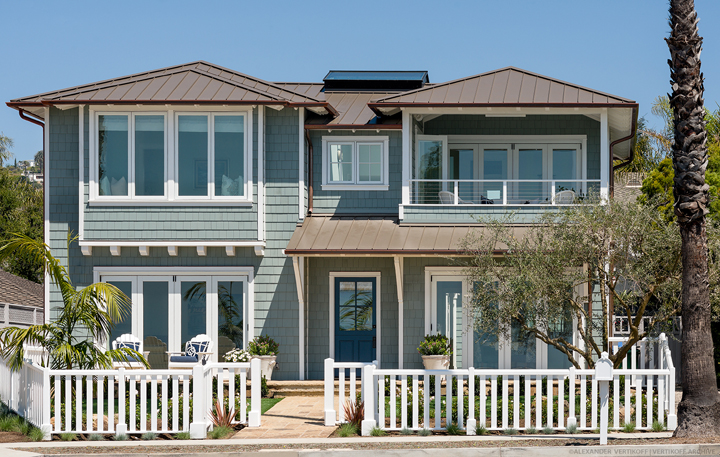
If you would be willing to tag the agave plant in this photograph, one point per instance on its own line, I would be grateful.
(354, 412)
(221, 416)
(77, 337)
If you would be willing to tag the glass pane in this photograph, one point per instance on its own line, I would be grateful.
(485, 346)
(522, 348)
(192, 155)
(461, 166)
(149, 155)
(449, 316)
(429, 166)
(341, 163)
(530, 166)
(124, 326)
(562, 327)
(364, 306)
(193, 308)
(364, 172)
(370, 162)
(564, 163)
(155, 319)
(230, 316)
(113, 154)
(347, 305)
(229, 155)
(495, 166)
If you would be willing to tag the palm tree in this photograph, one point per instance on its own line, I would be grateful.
(699, 410)
(77, 337)
(5, 144)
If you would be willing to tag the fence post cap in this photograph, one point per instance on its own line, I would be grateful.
(604, 368)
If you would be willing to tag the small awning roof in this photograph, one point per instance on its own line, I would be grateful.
(363, 235)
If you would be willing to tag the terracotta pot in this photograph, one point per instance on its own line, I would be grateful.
(436, 362)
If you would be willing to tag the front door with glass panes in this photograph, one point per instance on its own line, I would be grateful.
(449, 315)
(168, 311)
(355, 319)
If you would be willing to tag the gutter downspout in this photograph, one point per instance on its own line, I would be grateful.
(310, 172)
(22, 112)
(630, 159)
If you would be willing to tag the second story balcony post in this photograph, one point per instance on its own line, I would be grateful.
(406, 159)
(605, 159)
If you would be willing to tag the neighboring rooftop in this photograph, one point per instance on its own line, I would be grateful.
(19, 291)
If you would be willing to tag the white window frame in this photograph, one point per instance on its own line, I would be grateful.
(211, 275)
(171, 197)
(378, 314)
(355, 183)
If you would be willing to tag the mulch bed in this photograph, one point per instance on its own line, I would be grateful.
(13, 437)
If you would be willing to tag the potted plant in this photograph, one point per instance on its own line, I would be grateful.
(435, 351)
(265, 349)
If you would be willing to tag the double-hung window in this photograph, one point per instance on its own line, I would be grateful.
(161, 157)
(355, 163)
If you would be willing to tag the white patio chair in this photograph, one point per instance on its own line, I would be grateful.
(197, 350)
(130, 341)
(565, 197)
(448, 198)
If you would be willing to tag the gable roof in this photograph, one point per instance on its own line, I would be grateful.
(508, 86)
(15, 290)
(193, 83)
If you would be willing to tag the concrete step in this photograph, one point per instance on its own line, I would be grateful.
(304, 388)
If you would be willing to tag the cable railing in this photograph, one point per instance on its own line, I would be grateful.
(476, 192)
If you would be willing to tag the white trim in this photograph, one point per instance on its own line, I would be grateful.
(144, 250)
(604, 156)
(261, 175)
(301, 164)
(167, 203)
(506, 110)
(201, 250)
(544, 139)
(406, 159)
(355, 183)
(299, 268)
(46, 206)
(173, 243)
(378, 313)
(399, 283)
(150, 271)
(81, 172)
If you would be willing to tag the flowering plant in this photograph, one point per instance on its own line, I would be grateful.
(263, 345)
(237, 355)
(435, 345)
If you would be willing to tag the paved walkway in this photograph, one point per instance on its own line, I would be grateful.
(293, 417)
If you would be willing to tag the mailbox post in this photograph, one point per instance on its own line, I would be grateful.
(603, 375)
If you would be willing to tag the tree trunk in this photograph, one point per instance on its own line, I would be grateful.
(699, 410)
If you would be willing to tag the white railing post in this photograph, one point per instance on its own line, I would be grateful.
(255, 401)
(672, 417)
(471, 423)
(330, 415)
(456, 192)
(505, 199)
(45, 427)
(572, 419)
(121, 427)
(198, 427)
(552, 190)
(368, 422)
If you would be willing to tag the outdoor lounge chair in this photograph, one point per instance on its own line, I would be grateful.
(448, 198)
(130, 341)
(197, 350)
(565, 197)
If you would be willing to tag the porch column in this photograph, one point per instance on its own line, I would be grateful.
(604, 155)
(406, 148)
(299, 267)
(399, 275)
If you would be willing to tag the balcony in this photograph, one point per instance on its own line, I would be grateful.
(508, 192)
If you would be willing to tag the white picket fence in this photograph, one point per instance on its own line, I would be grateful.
(330, 400)
(503, 399)
(130, 401)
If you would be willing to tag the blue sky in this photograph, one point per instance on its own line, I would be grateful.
(615, 46)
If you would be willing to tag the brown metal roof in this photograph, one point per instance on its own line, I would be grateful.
(333, 235)
(19, 291)
(196, 82)
(352, 107)
(507, 86)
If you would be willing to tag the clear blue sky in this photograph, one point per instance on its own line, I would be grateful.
(615, 46)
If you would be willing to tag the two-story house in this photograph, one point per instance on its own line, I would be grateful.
(322, 214)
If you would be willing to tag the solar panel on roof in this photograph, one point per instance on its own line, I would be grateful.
(375, 80)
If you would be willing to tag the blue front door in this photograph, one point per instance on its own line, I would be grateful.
(355, 319)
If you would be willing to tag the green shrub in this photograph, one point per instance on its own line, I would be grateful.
(510, 431)
(121, 437)
(36, 434)
(453, 429)
(8, 423)
(96, 437)
(435, 345)
(548, 430)
(219, 433)
(346, 430)
(263, 345)
(424, 432)
(148, 436)
(406, 431)
(531, 431)
(264, 389)
(67, 436)
(571, 429)
(24, 427)
(377, 431)
(629, 427)
(658, 426)
(182, 436)
(480, 430)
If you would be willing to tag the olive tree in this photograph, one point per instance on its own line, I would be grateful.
(558, 271)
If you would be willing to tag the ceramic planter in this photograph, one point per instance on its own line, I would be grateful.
(436, 362)
(267, 365)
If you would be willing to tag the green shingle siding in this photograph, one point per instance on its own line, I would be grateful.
(469, 215)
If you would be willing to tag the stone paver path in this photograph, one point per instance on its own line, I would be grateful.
(293, 417)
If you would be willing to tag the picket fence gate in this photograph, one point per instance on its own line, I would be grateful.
(125, 401)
